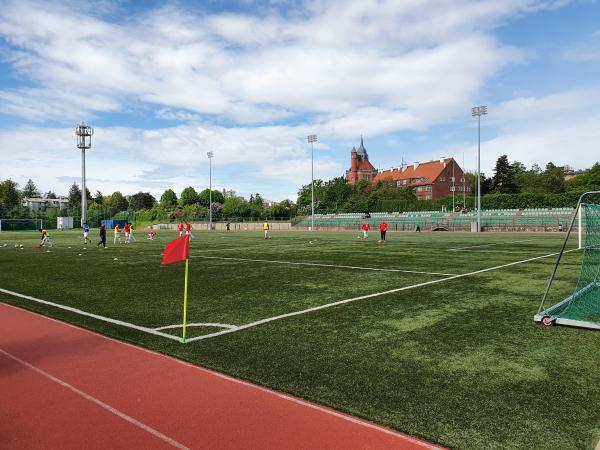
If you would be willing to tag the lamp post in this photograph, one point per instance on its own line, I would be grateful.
(479, 111)
(84, 141)
(312, 138)
(210, 157)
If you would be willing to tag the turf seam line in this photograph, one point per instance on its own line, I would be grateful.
(362, 297)
(100, 403)
(223, 376)
(88, 314)
(489, 245)
(321, 265)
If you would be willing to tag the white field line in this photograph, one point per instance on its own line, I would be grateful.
(100, 403)
(247, 384)
(362, 297)
(191, 325)
(489, 245)
(95, 316)
(321, 265)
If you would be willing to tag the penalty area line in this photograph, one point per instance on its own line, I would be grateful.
(88, 314)
(489, 245)
(94, 400)
(378, 269)
(362, 297)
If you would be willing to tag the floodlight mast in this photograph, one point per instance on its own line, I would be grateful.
(312, 138)
(84, 142)
(210, 157)
(479, 111)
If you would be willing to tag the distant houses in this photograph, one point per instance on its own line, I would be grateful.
(36, 204)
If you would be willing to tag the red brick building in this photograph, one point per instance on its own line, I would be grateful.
(431, 180)
(360, 167)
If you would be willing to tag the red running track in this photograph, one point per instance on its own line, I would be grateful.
(66, 387)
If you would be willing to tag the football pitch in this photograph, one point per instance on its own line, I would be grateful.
(428, 333)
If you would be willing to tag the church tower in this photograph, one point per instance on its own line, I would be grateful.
(360, 167)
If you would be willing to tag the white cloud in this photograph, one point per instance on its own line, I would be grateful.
(585, 51)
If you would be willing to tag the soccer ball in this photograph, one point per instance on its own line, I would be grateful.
(80, 254)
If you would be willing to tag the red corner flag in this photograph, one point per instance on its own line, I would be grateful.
(177, 250)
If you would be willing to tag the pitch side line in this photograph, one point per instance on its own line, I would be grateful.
(362, 297)
(100, 403)
(489, 245)
(321, 265)
(95, 316)
(189, 325)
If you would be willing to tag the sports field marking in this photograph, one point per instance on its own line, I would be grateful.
(191, 325)
(248, 384)
(107, 407)
(95, 316)
(321, 265)
(489, 245)
(362, 297)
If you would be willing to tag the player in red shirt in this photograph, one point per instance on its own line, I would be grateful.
(383, 226)
(180, 229)
(127, 232)
(188, 229)
(365, 229)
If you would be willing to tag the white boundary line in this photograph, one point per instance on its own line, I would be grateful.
(179, 325)
(95, 316)
(214, 373)
(362, 297)
(100, 403)
(489, 245)
(321, 265)
(270, 319)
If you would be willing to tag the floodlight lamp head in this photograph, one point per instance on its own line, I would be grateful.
(84, 136)
(312, 138)
(210, 154)
(479, 111)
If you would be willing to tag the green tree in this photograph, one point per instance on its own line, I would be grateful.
(50, 194)
(30, 190)
(141, 200)
(9, 194)
(188, 197)
(554, 179)
(116, 202)
(236, 207)
(518, 167)
(503, 181)
(204, 197)
(587, 181)
(168, 199)
(98, 198)
(74, 195)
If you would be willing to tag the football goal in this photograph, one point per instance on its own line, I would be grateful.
(21, 224)
(582, 307)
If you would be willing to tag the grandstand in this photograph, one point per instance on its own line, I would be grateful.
(536, 219)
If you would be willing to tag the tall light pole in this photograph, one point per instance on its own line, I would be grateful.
(479, 111)
(210, 157)
(84, 141)
(312, 138)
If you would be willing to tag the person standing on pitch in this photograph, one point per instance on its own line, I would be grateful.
(266, 229)
(117, 234)
(227, 226)
(86, 233)
(188, 230)
(131, 238)
(383, 226)
(365, 229)
(45, 238)
(127, 232)
(180, 229)
(102, 236)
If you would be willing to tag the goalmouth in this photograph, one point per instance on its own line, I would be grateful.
(582, 307)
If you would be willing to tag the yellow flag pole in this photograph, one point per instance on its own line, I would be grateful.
(185, 299)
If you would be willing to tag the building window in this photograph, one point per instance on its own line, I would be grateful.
(419, 188)
(428, 188)
(442, 179)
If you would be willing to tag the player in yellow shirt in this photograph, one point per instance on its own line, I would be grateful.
(117, 234)
(45, 238)
(266, 229)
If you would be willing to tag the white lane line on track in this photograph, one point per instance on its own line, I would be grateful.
(95, 316)
(362, 297)
(248, 384)
(225, 258)
(100, 403)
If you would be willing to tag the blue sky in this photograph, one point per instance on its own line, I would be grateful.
(162, 83)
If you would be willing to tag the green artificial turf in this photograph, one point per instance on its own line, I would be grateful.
(460, 362)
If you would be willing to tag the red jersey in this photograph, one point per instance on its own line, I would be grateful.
(366, 226)
(180, 227)
(188, 227)
(127, 228)
(383, 226)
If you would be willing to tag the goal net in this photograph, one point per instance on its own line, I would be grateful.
(582, 307)
(20, 224)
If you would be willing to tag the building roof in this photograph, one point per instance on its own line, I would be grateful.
(361, 149)
(429, 171)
